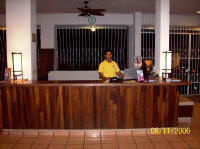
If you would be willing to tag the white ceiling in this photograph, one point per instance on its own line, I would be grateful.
(112, 6)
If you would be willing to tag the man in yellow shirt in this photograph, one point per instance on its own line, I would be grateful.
(109, 68)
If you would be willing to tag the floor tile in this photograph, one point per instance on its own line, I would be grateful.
(179, 145)
(61, 133)
(40, 140)
(11, 140)
(59, 140)
(195, 131)
(110, 146)
(125, 132)
(145, 146)
(92, 140)
(24, 140)
(161, 145)
(71, 146)
(56, 146)
(127, 146)
(194, 144)
(5, 132)
(125, 139)
(3, 138)
(6, 146)
(92, 133)
(22, 146)
(29, 137)
(109, 140)
(139, 132)
(76, 140)
(45, 133)
(108, 132)
(76, 133)
(45, 137)
(173, 138)
(39, 146)
(189, 138)
(16, 132)
(148, 131)
(141, 139)
(92, 146)
(157, 138)
(31, 133)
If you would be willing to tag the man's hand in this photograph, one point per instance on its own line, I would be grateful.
(121, 75)
(101, 76)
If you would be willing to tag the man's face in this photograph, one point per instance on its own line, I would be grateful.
(108, 55)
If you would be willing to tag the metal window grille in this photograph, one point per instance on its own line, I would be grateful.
(148, 43)
(78, 48)
(185, 46)
(3, 53)
(38, 44)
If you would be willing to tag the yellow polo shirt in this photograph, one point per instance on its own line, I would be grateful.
(108, 69)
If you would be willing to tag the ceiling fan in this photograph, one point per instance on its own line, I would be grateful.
(87, 11)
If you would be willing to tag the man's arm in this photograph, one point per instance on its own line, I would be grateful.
(121, 75)
(101, 76)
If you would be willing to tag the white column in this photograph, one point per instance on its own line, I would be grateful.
(20, 25)
(137, 31)
(162, 33)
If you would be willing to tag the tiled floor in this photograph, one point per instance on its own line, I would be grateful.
(96, 139)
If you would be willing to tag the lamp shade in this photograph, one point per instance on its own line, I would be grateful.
(168, 62)
(17, 64)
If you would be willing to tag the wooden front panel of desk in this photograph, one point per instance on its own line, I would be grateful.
(88, 107)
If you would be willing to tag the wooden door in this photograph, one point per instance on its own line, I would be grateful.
(46, 63)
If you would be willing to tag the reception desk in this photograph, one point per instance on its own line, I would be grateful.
(88, 104)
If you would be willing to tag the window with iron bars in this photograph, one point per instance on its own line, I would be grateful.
(78, 48)
(184, 43)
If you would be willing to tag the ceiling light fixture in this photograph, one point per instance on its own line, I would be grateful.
(93, 29)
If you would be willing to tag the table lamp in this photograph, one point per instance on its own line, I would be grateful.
(17, 65)
(168, 62)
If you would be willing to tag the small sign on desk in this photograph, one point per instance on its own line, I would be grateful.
(140, 75)
(7, 74)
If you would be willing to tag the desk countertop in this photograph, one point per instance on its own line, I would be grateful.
(91, 83)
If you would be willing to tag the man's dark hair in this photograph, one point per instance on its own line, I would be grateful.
(107, 50)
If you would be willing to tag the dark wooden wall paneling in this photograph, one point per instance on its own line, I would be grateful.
(82, 107)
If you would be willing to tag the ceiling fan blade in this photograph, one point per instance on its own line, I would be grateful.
(99, 10)
(84, 14)
(87, 11)
(98, 14)
(84, 9)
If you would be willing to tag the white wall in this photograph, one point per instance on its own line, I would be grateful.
(48, 21)
(34, 44)
(187, 20)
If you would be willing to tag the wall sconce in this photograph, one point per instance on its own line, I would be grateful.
(17, 65)
(168, 63)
